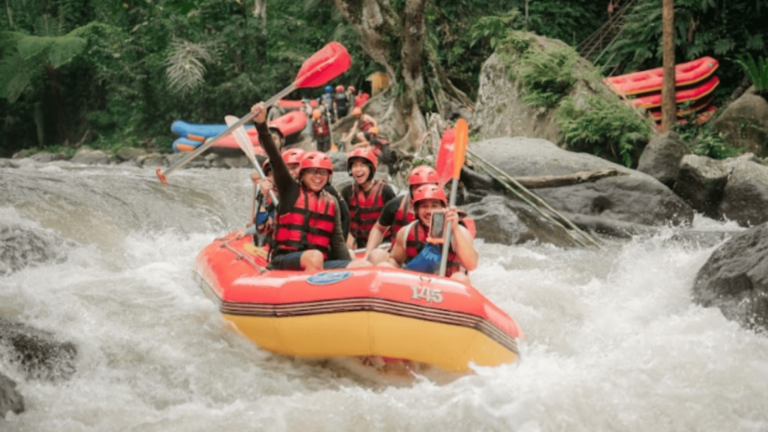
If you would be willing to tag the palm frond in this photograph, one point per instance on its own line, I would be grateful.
(184, 66)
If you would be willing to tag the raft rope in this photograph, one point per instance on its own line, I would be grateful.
(519, 190)
(239, 255)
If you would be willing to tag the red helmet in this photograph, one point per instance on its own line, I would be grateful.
(293, 156)
(340, 88)
(423, 174)
(427, 192)
(316, 159)
(368, 156)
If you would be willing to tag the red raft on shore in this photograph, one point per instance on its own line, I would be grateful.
(650, 80)
(387, 313)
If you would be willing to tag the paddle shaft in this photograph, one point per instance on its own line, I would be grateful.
(245, 144)
(447, 243)
(210, 142)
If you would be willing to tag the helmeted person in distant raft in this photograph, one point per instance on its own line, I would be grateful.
(363, 124)
(308, 233)
(366, 196)
(322, 131)
(413, 251)
(341, 102)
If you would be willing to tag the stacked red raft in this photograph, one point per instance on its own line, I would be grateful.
(371, 311)
(694, 80)
(193, 135)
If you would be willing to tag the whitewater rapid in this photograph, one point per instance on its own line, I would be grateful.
(613, 341)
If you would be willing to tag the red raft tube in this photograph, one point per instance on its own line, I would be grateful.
(651, 80)
(373, 311)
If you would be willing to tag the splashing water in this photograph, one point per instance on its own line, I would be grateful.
(613, 341)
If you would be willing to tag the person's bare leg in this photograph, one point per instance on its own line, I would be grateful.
(312, 261)
(461, 277)
(378, 256)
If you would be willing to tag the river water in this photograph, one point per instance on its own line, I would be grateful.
(613, 341)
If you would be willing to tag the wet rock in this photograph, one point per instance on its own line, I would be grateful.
(339, 161)
(22, 246)
(10, 399)
(37, 353)
(129, 153)
(198, 162)
(735, 279)
(231, 162)
(499, 220)
(701, 182)
(88, 156)
(661, 158)
(8, 163)
(45, 157)
(635, 197)
(152, 160)
(500, 111)
(745, 198)
(745, 122)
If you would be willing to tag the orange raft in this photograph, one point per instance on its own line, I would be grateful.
(651, 80)
(355, 312)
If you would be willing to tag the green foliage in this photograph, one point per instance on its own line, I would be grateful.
(547, 76)
(756, 71)
(703, 140)
(603, 127)
(495, 28)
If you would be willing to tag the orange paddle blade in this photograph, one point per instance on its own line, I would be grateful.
(460, 146)
(444, 162)
(328, 63)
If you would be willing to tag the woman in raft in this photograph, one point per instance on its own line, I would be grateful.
(308, 234)
(412, 250)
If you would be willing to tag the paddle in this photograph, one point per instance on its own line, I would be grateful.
(324, 65)
(459, 151)
(245, 144)
(444, 163)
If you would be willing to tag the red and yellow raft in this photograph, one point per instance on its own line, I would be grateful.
(369, 311)
(650, 80)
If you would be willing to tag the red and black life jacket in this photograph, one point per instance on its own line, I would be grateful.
(363, 125)
(321, 128)
(364, 210)
(415, 242)
(403, 217)
(308, 225)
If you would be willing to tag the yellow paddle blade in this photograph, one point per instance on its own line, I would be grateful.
(460, 146)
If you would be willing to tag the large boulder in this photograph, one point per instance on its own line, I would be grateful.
(634, 197)
(701, 182)
(499, 220)
(10, 399)
(735, 279)
(45, 157)
(661, 158)
(745, 198)
(746, 123)
(500, 111)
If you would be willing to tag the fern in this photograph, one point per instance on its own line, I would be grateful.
(184, 66)
(756, 71)
(547, 76)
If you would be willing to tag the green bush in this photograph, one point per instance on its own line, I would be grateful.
(756, 71)
(547, 76)
(703, 140)
(603, 127)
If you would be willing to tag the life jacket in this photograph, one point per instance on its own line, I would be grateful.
(403, 217)
(308, 225)
(341, 101)
(363, 125)
(364, 210)
(321, 127)
(416, 240)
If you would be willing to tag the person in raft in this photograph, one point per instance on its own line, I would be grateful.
(397, 213)
(412, 251)
(341, 102)
(265, 209)
(308, 234)
(363, 124)
(366, 196)
(321, 130)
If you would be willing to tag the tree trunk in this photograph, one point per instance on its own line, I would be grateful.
(668, 105)
(395, 38)
(260, 11)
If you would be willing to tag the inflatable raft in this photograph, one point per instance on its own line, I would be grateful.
(390, 314)
(651, 80)
(681, 95)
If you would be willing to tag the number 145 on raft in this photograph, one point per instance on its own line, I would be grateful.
(426, 293)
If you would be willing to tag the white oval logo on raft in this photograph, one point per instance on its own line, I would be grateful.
(328, 278)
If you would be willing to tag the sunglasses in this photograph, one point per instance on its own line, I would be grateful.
(318, 171)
